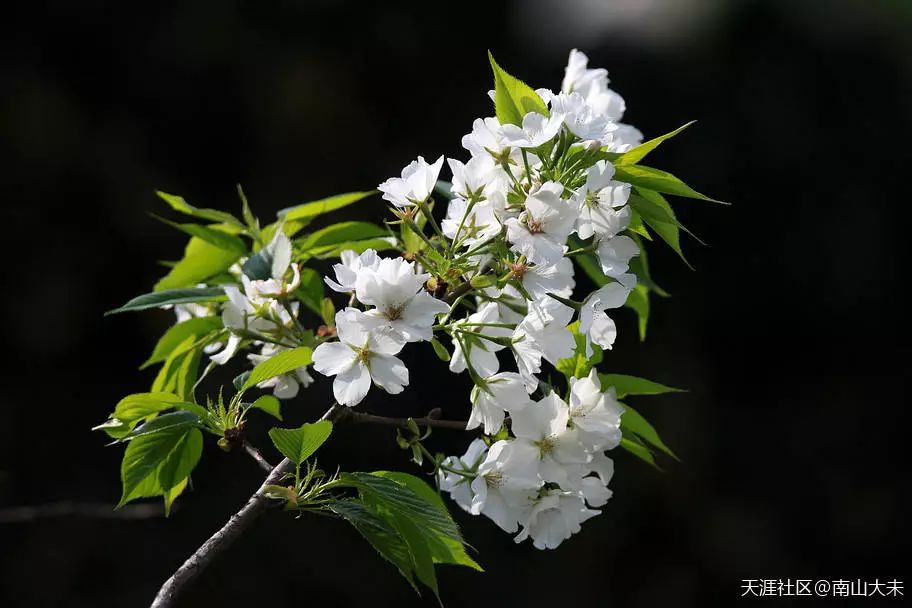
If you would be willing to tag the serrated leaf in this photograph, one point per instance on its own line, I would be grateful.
(310, 292)
(316, 208)
(658, 180)
(298, 444)
(658, 215)
(181, 460)
(167, 423)
(444, 549)
(339, 233)
(382, 537)
(631, 385)
(269, 404)
(195, 327)
(171, 296)
(179, 372)
(638, 153)
(201, 261)
(638, 301)
(635, 446)
(217, 235)
(143, 458)
(281, 363)
(633, 422)
(639, 266)
(580, 363)
(213, 215)
(513, 98)
(130, 410)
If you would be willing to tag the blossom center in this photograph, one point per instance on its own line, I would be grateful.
(494, 479)
(394, 313)
(535, 226)
(546, 445)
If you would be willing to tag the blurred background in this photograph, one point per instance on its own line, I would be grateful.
(790, 335)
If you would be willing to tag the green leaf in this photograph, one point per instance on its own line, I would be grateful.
(637, 154)
(513, 98)
(637, 227)
(213, 215)
(310, 292)
(381, 535)
(333, 251)
(309, 211)
(340, 233)
(146, 455)
(130, 410)
(579, 365)
(328, 311)
(218, 235)
(631, 385)
(633, 422)
(269, 404)
(166, 423)
(298, 444)
(590, 265)
(281, 363)
(444, 549)
(639, 265)
(638, 301)
(179, 372)
(171, 296)
(658, 215)
(400, 499)
(195, 327)
(201, 261)
(636, 447)
(440, 350)
(658, 180)
(182, 460)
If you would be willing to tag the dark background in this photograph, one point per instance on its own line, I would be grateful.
(790, 334)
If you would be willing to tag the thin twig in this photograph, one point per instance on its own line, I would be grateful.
(255, 454)
(66, 508)
(222, 539)
(363, 418)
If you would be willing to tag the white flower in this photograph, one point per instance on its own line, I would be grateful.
(505, 486)
(623, 138)
(415, 185)
(459, 485)
(541, 231)
(614, 254)
(542, 433)
(476, 223)
(480, 351)
(595, 414)
(582, 120)
(364, 353)
(284, 386)
(398, 294)
(471, 179)
(602, 202)
(578, 78)
(485, 138)
(555, 517)
(502, 392)
(594, 323)
(542, 333)
(537, 129)
(539, 280)
(352, 264)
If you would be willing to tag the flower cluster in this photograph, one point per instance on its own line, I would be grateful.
(526, 196)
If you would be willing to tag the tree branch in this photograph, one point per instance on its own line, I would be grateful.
(65, 508)
(255, 454)
(222, 539)
(430, 420)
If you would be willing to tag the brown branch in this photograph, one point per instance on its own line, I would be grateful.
(222, 539)
(257, 504)
(255, 454)
(65, 508)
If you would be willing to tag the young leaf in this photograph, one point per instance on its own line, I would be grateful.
(171, 296)
(658, 180)
(177, 333)
(130, 410)
(639, 265)
(636, 447)
(631, 385)
(216, 234)
(635, 155)
(633, 422)
(201, 261)
(579, 364)
(145, 455)
(310, 292)
(166, 423)
(179, 372)
(181, 461)
(298, 444)
(638, 301)
(328, 311)
(270, 405)
(513, 98)
(281, 363)
(308, 211)
(213, 215)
